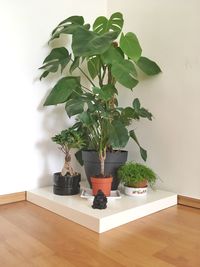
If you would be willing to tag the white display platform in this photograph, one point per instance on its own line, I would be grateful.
(118, 212)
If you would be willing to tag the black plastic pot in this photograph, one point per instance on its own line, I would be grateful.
(66, 185)
(113, 161)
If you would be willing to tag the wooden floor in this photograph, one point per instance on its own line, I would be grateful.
(32, 236)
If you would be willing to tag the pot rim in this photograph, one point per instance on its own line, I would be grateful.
(114, 151)
(67, 175)
(102, 179)
(135, 187)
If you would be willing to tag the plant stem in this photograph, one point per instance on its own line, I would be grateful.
(100, 81)
(101, 78)
(104, 73)
(86, 88)
(109, 75)
(88, 78)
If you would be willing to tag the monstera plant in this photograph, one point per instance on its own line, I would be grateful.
(107, 59)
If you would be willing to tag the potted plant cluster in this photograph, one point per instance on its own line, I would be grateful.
(105, 57)
(67, 182)
(136, 177)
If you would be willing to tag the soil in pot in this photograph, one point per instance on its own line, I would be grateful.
(67, 184)
(139, 184)
(113, 161)
(101, 183)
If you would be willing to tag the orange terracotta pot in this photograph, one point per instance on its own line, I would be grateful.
(103, 184)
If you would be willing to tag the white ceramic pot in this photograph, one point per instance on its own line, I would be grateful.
(131, 191)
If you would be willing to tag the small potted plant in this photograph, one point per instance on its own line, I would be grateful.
(136, 177)
(67, 181)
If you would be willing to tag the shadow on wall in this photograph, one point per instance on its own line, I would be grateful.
(54, 119)
(46, 150)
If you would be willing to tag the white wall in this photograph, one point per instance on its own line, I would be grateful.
(27, 155)
(169, 32)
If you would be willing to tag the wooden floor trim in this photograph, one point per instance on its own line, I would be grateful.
(188, 201)
(11, 198)
(20, 196)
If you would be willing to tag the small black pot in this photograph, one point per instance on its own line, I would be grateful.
(113, 161)
(66, 185)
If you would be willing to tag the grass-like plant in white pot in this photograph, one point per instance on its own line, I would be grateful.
(67, 181)
(136, 177)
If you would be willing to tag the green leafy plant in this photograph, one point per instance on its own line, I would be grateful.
(132, 173)
(67, 140)
(105, 57)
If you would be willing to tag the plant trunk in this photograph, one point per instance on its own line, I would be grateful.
(67, 168)
(102, 162)
(111, 80)
(109, 75)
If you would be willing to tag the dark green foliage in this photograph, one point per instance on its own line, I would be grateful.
(143, 152)
(132, 173)
(148, 66)
(124, 73)
(130, 46)
(57, 57)
(63, 90)
(103, 25)
(87, 43)
(68, 26)
(69, 138)
(107, 62)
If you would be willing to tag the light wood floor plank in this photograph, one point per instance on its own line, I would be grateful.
(32, 236)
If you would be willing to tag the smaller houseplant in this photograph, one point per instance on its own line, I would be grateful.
(67, 181)
(136, 177)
